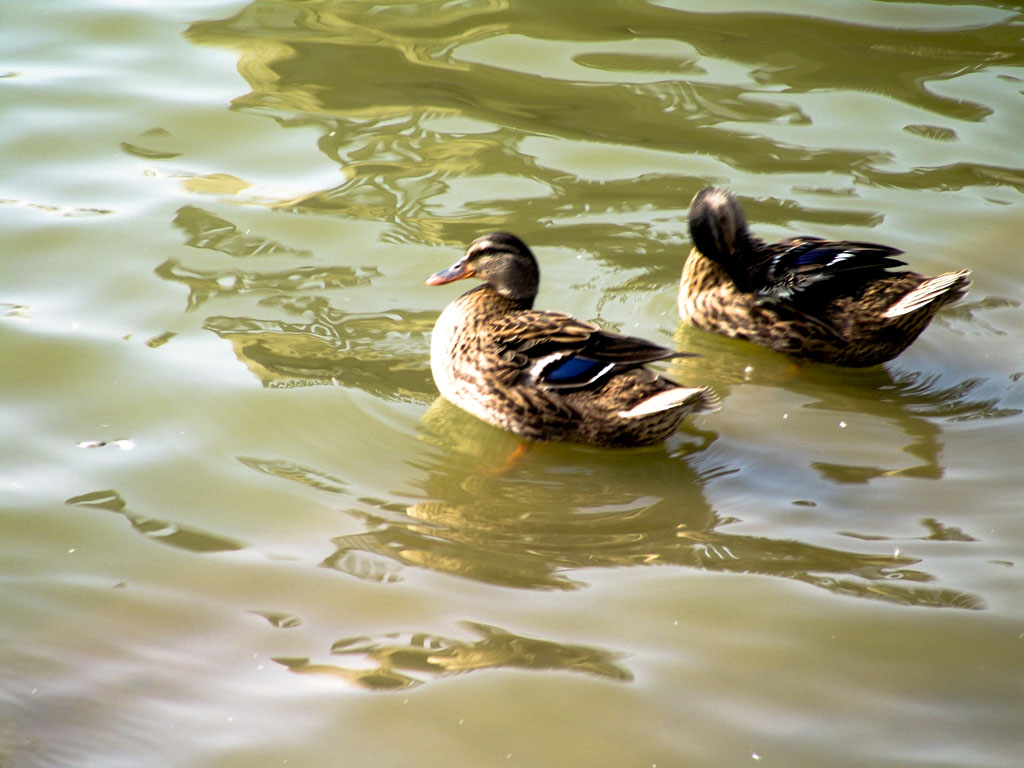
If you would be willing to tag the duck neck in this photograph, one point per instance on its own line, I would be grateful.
(486, 303)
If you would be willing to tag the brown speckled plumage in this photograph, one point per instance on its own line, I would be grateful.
(829, 301)
(547, 375)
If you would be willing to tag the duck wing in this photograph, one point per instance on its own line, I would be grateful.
(553, 350)
(800, 264)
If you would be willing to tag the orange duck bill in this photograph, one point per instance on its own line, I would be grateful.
(456, 271)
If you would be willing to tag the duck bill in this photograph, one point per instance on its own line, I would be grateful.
(455, 272)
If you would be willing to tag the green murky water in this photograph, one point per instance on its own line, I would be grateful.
(235, 527)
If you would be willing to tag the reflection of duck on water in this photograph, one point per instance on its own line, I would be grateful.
(566, 509)
(908, 406)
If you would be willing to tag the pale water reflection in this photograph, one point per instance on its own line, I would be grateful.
(427, 116)
(396, 661)
(166, 532)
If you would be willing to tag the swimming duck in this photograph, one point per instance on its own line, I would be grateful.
(547, 375)
(824, 300)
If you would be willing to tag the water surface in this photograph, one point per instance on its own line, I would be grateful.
(238, 528)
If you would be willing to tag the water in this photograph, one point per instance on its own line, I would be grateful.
(238, 530)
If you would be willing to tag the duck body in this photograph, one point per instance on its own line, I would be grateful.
(547, 375)
(824, 300)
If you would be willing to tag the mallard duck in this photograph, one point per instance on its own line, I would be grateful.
(546, 375)
(829, 301)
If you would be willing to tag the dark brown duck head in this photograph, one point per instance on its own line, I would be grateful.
(502, 261)
(718, 229)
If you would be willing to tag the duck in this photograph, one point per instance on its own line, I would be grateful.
(831, 301)
(546, 375)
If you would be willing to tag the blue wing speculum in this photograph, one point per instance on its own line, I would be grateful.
(560, 371)
(804, 262)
